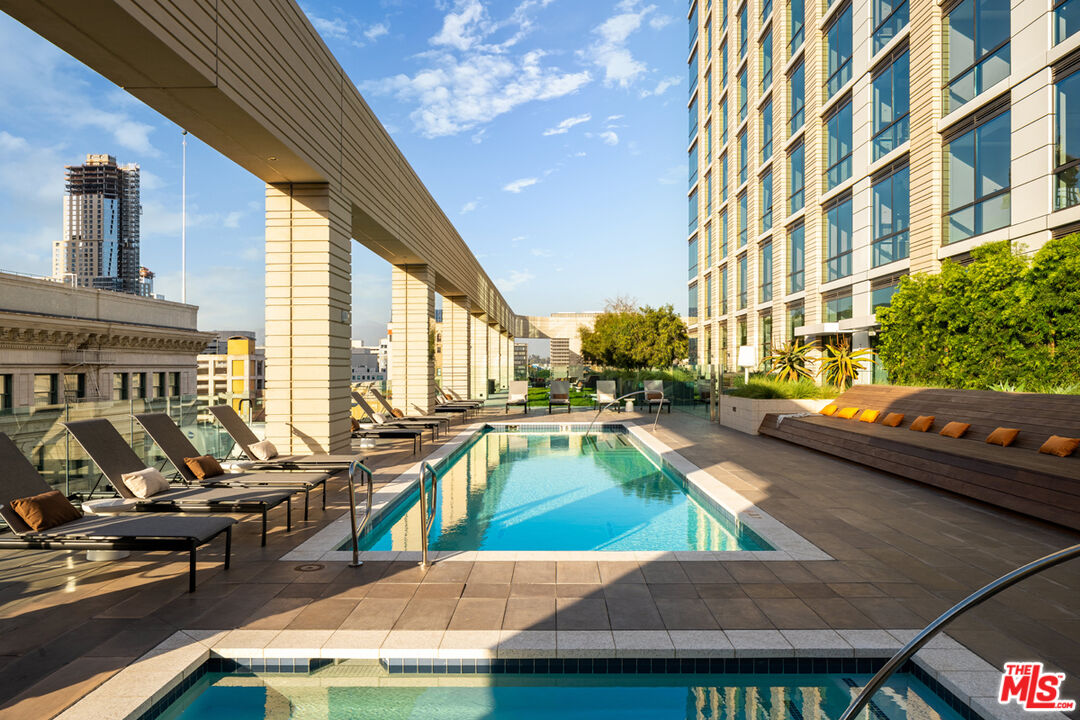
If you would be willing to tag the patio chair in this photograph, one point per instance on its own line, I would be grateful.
(370, 431)
(98, 532)
(435, 425)
(519, 395)
(605, 395)
(399, 414)
(175, 444)
(704, 388)
(443, 404)
(654, 395)
(243, 436)
(559, 395)
(452, 397)
(114, 457)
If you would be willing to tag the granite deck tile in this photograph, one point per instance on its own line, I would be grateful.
(426, 614)
(529, 614)
(581, 614)
(478, 614)
(531, 572)
(686, 614)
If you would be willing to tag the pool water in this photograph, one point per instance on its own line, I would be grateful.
(557, 492)
(565, 697)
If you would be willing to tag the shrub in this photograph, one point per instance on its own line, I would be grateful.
(767, 388)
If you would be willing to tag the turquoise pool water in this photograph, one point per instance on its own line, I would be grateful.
(560, 491)
(565, 697)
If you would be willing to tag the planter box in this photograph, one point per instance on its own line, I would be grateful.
(746, 414)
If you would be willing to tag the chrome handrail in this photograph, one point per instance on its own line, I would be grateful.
(976, 598)
(427, 509)
(354, 466)
(617, 400)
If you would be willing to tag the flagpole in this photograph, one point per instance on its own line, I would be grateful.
(183, 219)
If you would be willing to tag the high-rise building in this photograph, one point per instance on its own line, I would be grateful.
(100, 245)
(836, 146)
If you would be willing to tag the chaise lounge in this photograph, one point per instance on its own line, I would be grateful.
(243, 436)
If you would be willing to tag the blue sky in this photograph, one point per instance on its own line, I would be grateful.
(552, 133)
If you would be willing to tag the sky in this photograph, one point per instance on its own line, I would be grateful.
(551, 132)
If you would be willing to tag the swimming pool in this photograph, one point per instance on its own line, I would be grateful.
(538, 488)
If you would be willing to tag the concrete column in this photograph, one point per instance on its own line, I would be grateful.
(479, 371)
(508, 357)
(457, 344)
(412, 307)
(494, 355)
(308, 301)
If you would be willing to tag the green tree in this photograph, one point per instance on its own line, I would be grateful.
(634, 339)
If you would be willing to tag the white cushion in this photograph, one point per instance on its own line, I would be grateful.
(264, 450)
(378, 418)
(145, 483)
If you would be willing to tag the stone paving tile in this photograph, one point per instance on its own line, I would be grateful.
(478, 614)
(664, 572)
(374, 614)
(578, 590)
(620, 572)
(634, 612)
(443, 590)
(839, 613)
(391, 589)
(720, 590)
(486, 590)
(673, 590)
(532, 590)
(426, 614)
(789, 613)
(737, 613)
(686, 614)
(706, 572)
(529, 614)
(577, 572)
(496, 573)
(581, 614)
(767, 590)
(533, 572)
(324, 613)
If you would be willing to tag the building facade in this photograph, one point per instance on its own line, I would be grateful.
(235, 373)
(836, 146)
(100, 244)
(365, 363)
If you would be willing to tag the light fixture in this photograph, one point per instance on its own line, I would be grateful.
(272, 158)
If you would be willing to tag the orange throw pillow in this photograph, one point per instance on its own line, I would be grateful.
(1060, 446)
(922, 423)
(44, 511)
(893, 419)
(955, 429)
(204, 466)
(869, 416)
(829, 409)
(1003, 436)
(847, 413)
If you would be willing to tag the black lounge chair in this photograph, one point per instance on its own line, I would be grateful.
(98, 532)
(176, 446)
(114, 457)
(433, 424)
(391, 410)
(243, 436)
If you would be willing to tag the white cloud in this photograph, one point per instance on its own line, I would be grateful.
(469, 207)
(232, 219)
(610, 51)
(518, 185)
(661, 87)
(659, 22)
(337, 28)
(673, 175)
(464, 28)
(579, 154)
(346, 29)
(609, 137)
(540, 252)
(376, 31)
(517, 239)
(516, 279)
(613, 118)
(564, 127)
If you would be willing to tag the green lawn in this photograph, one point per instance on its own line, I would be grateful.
(538, 397)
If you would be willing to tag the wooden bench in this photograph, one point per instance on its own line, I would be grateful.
(1017, 478)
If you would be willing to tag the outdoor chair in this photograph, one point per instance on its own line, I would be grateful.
(380, 419)
(175, 444)
(605, 395)
(98, 532)
(518, 395)
(394, 432)
(453, 396)
(114, 457)
(243, 436)
(559, 395)
(654, 395)
(395, 412)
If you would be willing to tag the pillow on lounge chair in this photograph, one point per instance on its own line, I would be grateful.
(146, 482)
(829, 409)
(398, 413)
(44, 511)
(869, 416)
(847, 413)
(354, 424)
(204, 466)
(893, 419)
(954, 429)
(1060, 446)
(263, 450)
(922, 423)
(1003, 436)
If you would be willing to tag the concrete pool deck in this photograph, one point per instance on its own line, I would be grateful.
(902, 553)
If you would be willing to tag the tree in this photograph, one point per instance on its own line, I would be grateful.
(628, 338)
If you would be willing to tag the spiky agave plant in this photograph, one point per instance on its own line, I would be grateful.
(790, 360)
(840, 365)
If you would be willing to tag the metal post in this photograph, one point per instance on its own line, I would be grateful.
(427, 510)
(183, 217)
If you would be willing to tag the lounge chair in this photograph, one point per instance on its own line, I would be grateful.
(605, 395)
(453, 398)
(114, 457)
(654, 395)
(379, 419)
(176, 446)
(519, 395)
(559, 395)
(243, 436)
(370, 431)
(99, 532)
(390, 409)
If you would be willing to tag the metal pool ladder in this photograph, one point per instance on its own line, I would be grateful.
(616, 401)
(354, 467)
(427, 509)
(976, 598)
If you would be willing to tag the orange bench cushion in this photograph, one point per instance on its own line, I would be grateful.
(869, 416)
(1003, 436)
(847, 413)
(1060, 446)
(893, 419)
(922, 423)
(829, 409)
(955, 429)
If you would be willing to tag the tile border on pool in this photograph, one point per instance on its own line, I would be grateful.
(788, 545)
(148, 685)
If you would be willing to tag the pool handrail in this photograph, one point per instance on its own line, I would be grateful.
(617, 400)
(976, 598)
(427, 509)
(355, 466)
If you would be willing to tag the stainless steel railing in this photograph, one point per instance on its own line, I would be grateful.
(976, 598)
(617, 400)
(354, 467)
(427, 509)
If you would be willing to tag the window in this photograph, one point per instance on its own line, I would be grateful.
(838, 40)
(723, 178)
(693, 117)
(797, 178)
(174, 384)
(723, 121)
(766, 131)
(796, 23)
(46, 389)
(977, 46)
(723, 234)
(692, 301)
(692, 73)
(766, 61)
(692, 257)
(708, 296)
(765, 271)
(796, 318)
(723, 291)
(708, 36)
(708, 245)
(744, 157)
(797, 81)
(708, 143)
(723, 64)
(838, 127)
(160, 388)
(744, 95)
(138, 385)
(693, 24)
(766, 337)
(740, 303)
(74, 386)
(882, 290)
(692, 163)
(120, 386)
(1066, 18)
(838, 239)
(891, 100)
(693, 208)
(708, 91)
(891, 217)
(766, 201)
(708, 194)
(977, 168)
(838, 306)
(1067, 142)
(743, 219)
(740, 332)
(766, 10)
(744, 31)
(796, 258)
(890, 17)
